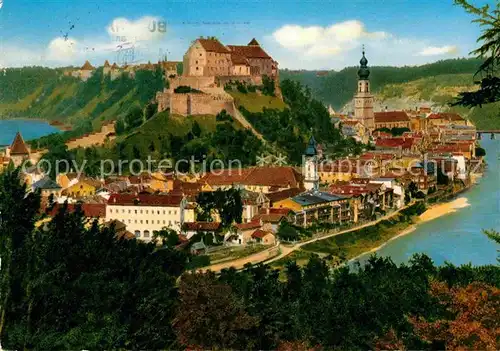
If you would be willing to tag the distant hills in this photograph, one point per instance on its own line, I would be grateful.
(435, 84)
(37, 92)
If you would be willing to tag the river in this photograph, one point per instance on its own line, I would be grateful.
(458, 237)
(30, 129)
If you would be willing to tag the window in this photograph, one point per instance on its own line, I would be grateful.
(110, 211)
(163, 221)
(135, 221)
(158, 212)
(196, 62)
(169, 223)
(146, 221)
(141, 221)
(137, 234)
(135, 211)
(163, 211)
(129, 211)
(141, 211)
(123, 211)
(169, 212)
(196, 68)
(200, 55)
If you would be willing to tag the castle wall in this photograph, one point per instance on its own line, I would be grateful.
(179, 104)
(193, 82)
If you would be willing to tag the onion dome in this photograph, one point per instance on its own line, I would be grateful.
(363, 72)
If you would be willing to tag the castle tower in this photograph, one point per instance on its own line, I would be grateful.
(18, 151)
(363, 100)
(310, 166)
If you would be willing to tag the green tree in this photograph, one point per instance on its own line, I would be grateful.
(210, 315)
(489, 51)
(134, 118)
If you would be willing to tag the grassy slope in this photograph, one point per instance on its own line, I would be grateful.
(254, 102)
(442, 90)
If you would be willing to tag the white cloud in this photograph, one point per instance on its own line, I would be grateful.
(62, 49)
(339, 45)
(442, 50)
(324, 41)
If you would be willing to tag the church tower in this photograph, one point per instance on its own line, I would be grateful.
(363, 100)
(310, 166)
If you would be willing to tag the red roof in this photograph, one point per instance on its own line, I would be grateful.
(250, 225)
(252, 51)
(18, 146)
(282, 195)
(274, 176)
(280, 177)
(404, 143)
(260, 234)
(89, 210)
(145, 200)
(213, 45)
(449, 116)
(391, 116)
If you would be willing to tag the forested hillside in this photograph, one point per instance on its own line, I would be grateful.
(337, 88)
(37, 92)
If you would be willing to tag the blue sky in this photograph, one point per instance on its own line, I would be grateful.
(309, 34)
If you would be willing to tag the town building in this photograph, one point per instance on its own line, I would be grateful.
(144, 214)
(363, 100)
(18, 152)
(310, 167)
(266, 179)
(392, 119)
(210, 58)
(316, 206)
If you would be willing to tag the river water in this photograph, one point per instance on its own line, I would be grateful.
(458, 237)
(30, 129)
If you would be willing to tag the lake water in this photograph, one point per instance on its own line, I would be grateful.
(458, 237)
(29, 130)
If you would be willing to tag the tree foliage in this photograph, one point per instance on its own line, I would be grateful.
(489, 51)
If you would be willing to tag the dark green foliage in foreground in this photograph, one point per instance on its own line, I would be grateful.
(74, 286)
(227, 203)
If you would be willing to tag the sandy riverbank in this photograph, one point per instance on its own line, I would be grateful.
(433, 212)
(407, 231)
(442, 209)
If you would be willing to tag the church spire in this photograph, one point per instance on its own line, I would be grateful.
(364, 71)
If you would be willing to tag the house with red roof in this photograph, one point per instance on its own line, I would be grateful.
(18, 152)
(257, 179)
(447, 118)
(392, 119)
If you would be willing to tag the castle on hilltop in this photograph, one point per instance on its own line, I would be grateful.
(208, 66)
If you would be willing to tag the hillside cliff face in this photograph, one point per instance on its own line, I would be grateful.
(36, 92)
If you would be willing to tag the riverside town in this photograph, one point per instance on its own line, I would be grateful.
(316, 181)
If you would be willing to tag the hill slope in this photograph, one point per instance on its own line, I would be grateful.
(36, 92)
(435, 84)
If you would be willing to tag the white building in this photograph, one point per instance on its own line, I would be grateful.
(145, 214)
(310, 166)
(398, 189)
